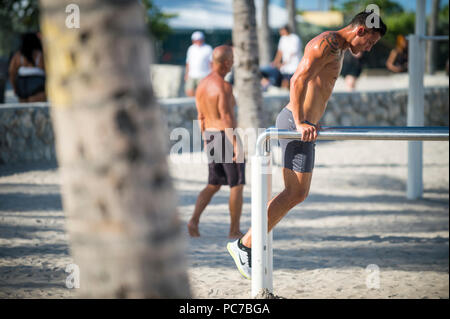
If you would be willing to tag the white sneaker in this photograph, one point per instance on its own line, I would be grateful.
(242, 256)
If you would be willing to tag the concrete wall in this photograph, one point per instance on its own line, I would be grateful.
(380, 108)
(26, 132)
(167, 80)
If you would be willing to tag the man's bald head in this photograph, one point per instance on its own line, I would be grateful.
(222, 53)
(222, 57)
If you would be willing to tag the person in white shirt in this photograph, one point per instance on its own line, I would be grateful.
(288, 55)
(198, 62)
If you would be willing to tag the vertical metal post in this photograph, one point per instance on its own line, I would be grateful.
(269, 274)
(416, 100)
(259, 222)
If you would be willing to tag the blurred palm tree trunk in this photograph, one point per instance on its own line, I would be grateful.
(247, 79)
(431, 45)
(265, 45)
(123, 228)
(290, 6)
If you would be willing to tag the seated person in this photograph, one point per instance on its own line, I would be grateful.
(397, 61)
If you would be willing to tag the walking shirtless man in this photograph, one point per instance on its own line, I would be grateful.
(311, 87)
(215, 105)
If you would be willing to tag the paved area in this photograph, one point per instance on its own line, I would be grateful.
(356, 215)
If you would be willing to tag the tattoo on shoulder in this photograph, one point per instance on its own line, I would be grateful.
(330, 44)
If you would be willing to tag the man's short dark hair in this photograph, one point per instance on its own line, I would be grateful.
(287, 28)
(361, 19)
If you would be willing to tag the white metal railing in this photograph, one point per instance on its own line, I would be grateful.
(415, 117)
(262, 261)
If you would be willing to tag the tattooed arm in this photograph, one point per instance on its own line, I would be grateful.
(330, 44)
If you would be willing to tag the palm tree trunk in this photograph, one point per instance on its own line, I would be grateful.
(265, 45)
(123, 228)
(431, 45)
(247, 79)
(290, 6)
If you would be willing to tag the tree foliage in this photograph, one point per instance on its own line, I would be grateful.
(442, 29)
(157, 21)
(393, 14)
(18, 16)
(387, 7)
(398, 21)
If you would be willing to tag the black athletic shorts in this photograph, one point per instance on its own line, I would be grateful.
(296, 155)
(222, 170)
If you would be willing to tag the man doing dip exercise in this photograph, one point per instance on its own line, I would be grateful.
(310, 89)
(215, 105)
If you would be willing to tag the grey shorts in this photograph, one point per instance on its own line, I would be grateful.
(191, 84)
(296, 155)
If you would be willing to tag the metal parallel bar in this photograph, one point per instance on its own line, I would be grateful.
(395, 133)
(261, 183)
(434, 37)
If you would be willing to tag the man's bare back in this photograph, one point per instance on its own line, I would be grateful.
(215, 103)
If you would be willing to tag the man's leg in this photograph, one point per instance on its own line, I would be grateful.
(350, 81)
(189, 87)
(235, 205)
(296, 190)
(203, 200)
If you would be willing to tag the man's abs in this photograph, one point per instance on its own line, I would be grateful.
(318, 93)
(313, 106)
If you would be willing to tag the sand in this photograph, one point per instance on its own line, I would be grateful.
(356, 215)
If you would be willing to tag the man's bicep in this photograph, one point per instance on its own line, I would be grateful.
(223, 104)
(230, 97)
(199, 110)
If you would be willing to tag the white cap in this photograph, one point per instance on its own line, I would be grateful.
(197, 35)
